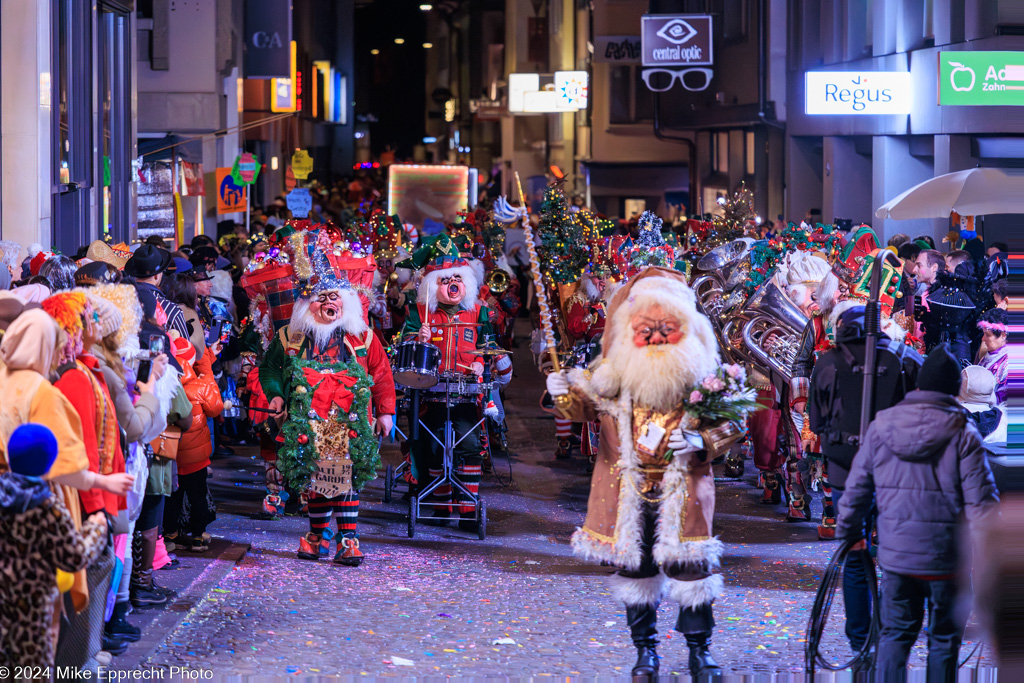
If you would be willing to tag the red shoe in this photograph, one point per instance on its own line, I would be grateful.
(564, 450)
(799, 511)
(772, 493)
(827, 529)
(314, 546)
(349, 553)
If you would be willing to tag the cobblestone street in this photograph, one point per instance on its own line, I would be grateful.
(517, 604)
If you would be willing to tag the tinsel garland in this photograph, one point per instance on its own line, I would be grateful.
(297, 461)
(766, 254)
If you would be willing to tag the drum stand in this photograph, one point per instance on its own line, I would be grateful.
(448, 442)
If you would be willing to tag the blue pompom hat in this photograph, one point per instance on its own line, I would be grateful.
(31, 450)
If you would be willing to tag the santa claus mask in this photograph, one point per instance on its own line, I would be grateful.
(451, 290)
(653, 327)
(326, 307)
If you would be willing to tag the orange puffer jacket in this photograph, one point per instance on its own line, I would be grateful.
(194, 449)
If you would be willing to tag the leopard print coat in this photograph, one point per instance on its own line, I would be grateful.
(33, 545)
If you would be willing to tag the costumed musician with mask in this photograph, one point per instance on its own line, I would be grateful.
(449, 316)
(327, 373)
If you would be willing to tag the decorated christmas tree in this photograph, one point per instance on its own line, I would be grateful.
(562, 251)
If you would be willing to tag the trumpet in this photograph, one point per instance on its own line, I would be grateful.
(497, 281)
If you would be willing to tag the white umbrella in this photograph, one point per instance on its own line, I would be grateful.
(974, 192)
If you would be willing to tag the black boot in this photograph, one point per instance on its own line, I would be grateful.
(119, 626)
(643, 622)
(702, 663)
(695, 623)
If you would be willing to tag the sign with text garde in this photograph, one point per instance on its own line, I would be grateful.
(866, 93)
(268, 38)
(981, 78)
(676, 39)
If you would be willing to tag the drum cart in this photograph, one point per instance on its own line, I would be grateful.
(413, 372)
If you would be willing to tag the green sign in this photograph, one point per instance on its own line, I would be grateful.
(981, 78)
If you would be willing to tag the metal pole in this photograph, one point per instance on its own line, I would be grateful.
(872, 329)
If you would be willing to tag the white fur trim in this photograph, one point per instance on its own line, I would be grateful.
(590, 288)
(635, 592)
(629, 522)
(478, 269)
(222, 285)
(605, 380)
(670, 550)
(164, 389)
(430, 279)
(691, 594)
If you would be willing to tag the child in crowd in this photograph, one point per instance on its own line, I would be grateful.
(194, 451)
(37, 538)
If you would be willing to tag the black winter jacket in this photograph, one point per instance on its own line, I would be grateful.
(925, 465)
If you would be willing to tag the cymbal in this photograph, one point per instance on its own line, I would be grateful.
(490, 352)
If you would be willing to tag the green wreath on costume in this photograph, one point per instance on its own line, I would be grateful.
(296, 461)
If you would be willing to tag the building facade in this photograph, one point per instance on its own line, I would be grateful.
(850, 164)
(67, 121)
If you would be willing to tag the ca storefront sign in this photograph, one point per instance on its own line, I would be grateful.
(676, 40)
(981, 78)
(268, 37)
(864, 93)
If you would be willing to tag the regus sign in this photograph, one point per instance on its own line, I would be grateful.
(871, 93)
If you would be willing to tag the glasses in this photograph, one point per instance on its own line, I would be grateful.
(660, 80)
(328, 296)
(665, 329)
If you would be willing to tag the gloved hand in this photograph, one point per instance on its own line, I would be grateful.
(684, 441)
(557, 384)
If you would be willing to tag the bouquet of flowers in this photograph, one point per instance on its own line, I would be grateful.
(723, 395)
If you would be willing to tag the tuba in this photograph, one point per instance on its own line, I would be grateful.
(730, 262)
(772, 329)
(497, 281)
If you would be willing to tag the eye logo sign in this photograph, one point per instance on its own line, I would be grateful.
(858, 93)
(677, 31)
(676, 40)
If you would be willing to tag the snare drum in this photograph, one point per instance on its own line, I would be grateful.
(415, 364)
(456, 388)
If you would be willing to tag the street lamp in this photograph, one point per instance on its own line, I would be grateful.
(427, 46)
(399, 41)
(374, 51)
(426, 7)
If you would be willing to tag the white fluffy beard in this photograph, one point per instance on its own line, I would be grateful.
(350, 320)
(659, 376)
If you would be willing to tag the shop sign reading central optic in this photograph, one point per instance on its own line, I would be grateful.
(866, 93)
(676, 40)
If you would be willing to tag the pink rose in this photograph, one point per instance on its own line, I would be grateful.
(713, 384)
(695, 396)
(734, 371)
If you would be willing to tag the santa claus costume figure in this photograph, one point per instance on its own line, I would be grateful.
(328, 375)
(667, 408)
(449, 315)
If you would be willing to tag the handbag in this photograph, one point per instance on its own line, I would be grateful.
(166, 445)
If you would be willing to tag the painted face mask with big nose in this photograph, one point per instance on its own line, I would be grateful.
(655, 327)
(451, 290)
(326, 307)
